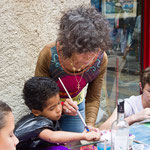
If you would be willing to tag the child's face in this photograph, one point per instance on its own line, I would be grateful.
(146, 93)
(53, 110)
(8, 140)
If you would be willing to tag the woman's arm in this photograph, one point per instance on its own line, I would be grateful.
(43, 62)
(94, 93)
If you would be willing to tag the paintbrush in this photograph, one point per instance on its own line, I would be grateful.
(86, 127)
(90, 143)
(140, 142)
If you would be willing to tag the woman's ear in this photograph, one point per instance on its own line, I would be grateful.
(140, 85)
(36, 112)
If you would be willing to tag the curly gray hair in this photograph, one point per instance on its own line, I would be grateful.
(82, 30)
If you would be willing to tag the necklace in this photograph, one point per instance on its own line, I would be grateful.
(77, 70)
(74, 69)
(78, 82)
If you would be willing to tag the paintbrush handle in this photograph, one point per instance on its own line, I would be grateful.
(140, 142)
(72, 100)
(65, 88)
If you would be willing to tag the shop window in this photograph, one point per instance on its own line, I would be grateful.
(124, 57)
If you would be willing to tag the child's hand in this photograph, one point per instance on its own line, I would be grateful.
(142, 115)
(92, 136)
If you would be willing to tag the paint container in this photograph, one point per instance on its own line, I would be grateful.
(103, 146)
(88, 147)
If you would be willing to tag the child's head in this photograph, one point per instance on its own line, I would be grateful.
(145, 77)
(8, 140)
(145, 86)
(41, 95)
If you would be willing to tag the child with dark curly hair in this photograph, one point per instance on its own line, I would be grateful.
(78, 57)
(40, 129)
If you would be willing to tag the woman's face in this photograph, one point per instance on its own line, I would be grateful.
(8, 140)
(83, 60)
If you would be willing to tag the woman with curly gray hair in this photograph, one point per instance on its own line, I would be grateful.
(78, 57)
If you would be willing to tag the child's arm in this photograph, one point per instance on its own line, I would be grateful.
(107, 124)
(63, 137)
(140, 116)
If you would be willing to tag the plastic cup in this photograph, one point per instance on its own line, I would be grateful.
(101, 146)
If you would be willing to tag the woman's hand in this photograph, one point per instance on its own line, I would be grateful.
(70, 107)
(92, 129)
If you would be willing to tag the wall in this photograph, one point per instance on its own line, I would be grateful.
(26, 26)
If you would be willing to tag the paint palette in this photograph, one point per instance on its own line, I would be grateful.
(57, 148)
